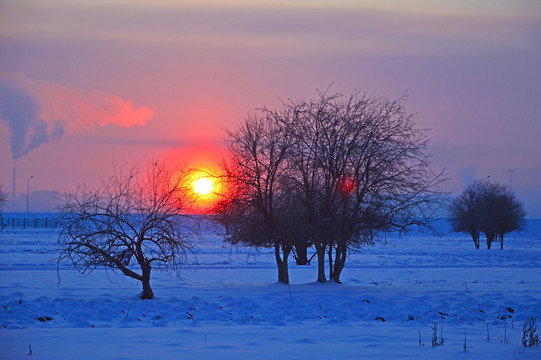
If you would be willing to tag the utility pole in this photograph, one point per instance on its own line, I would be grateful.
(28, 191)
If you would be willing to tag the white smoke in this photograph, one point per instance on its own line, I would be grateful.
(39, 112)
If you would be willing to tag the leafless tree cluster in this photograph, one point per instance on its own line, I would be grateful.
(487, 207)
(333, 173)
(132, 223)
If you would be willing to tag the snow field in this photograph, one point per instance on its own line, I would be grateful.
(227, 304)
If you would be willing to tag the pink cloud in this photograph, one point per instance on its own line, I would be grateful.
(82, 110)
(39, 111)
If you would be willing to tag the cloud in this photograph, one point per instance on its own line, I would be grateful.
(38, 112)
(345, 27)
(83, 111)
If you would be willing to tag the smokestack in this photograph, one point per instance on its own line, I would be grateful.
(13, 189)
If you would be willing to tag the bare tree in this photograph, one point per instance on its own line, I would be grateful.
(464, 213)
(510, 215)
(487, 207)
(256, 164)
(362, 169)
(488, 203)
(333, 172)
(501, 211)
(132, 223)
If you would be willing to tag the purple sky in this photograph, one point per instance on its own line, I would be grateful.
(87, 83)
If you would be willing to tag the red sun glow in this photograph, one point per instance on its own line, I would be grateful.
(347, 185)
(203, 186)
(203, 190)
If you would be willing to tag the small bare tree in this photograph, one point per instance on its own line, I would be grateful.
(487, 207)
(509, 214)
(464, 213)
(132, 223)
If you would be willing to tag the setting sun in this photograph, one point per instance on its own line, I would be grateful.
(203, 189)
(203, 186)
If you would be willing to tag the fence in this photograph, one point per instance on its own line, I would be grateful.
(27, 223)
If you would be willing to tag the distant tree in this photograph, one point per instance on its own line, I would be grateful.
(487, 207)
(508, 213)
(489, 200)
(3, 200)
(464, 213)
(132, 223)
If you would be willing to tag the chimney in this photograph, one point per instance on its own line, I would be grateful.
(13, 189)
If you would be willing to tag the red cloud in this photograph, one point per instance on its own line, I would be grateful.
(38, 111)
(80, 110)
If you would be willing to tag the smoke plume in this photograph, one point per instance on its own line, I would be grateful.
(40, 112)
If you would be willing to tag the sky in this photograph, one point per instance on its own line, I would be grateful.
(88, 83)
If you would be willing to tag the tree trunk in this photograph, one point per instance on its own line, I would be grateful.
(339, 262)
(278, 259)
(301, 248)
(320, 250)
(147, 290)
(331, 270)
(490, 239)
(283, 270)
(501, 241)
(475, 238)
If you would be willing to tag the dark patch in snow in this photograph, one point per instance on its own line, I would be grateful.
(44, 318)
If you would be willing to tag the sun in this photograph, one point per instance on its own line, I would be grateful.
(203, 186)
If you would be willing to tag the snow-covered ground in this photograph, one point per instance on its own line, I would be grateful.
(228, 305)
